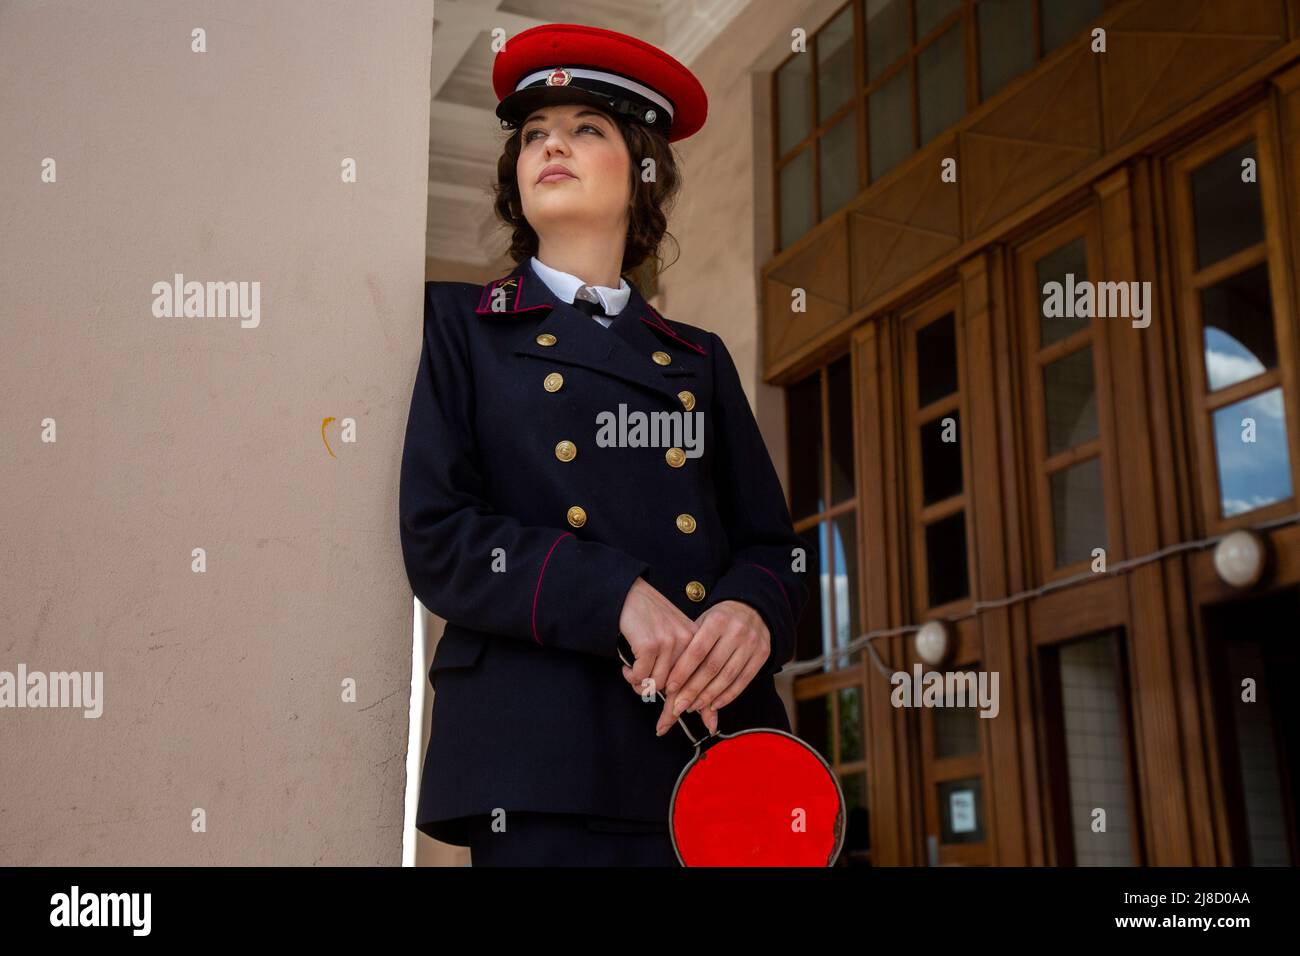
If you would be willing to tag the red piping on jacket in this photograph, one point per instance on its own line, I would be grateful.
(774, 578)
(659, 323)
(538, 590)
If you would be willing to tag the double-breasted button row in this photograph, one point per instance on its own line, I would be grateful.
(565, 450)
(676, 458)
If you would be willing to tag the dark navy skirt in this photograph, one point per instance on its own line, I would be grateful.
(534, 838)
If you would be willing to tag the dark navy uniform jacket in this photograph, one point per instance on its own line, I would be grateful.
(525, 535)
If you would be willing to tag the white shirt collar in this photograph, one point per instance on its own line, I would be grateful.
(565, 286)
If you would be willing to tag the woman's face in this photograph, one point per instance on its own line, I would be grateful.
(573, 170)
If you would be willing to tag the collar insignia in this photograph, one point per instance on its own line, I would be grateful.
(521, 291)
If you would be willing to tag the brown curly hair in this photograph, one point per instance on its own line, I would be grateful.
(652, 202)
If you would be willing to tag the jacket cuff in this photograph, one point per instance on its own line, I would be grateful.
(579, 596)
(762, 590)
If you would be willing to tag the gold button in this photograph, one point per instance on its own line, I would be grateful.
(577, 517)
(695, 590)
(553, 382)
(685, 524)
(687, 399)
(565, 450)
(675, 457)
(546, 338)
(661, 358)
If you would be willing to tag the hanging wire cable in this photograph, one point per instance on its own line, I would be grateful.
(865, 640)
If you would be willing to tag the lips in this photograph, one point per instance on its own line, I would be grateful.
(554, 173)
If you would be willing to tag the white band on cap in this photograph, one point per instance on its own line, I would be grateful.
(611, 78)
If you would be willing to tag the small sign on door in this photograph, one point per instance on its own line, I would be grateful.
(961, 811)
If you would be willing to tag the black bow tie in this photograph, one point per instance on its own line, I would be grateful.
(591, 308)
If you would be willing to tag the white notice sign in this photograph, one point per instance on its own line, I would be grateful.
(961, 811)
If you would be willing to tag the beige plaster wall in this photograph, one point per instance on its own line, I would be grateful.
(222, 690)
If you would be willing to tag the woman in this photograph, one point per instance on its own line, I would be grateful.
(579, 469)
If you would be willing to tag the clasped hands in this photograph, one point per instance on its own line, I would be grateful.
(699, 665)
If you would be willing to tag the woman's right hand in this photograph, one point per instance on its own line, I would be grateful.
(657, 632)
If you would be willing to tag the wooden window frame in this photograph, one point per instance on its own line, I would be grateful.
(1085, 224)
(965, 13)
(936, 770)
(831, 680)
(907, 62)
(921, 515)
(829, 684)
(832, 511)
(1188, 281)
(817, 131)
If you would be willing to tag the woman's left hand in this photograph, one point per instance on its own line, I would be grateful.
(730, 646)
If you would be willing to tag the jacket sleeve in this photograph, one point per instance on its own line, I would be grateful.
(760, 534)
(468, 563)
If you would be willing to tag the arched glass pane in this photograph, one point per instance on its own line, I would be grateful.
(1237, 317)
(1250, 445)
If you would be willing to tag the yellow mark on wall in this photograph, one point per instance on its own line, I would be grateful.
(324, 422)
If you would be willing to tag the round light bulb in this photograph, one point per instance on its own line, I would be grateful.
(1239, 558)
(932, 642)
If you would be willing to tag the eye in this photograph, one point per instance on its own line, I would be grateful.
(594, 129)
(528, 136)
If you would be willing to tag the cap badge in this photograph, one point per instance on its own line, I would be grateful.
(559, 77)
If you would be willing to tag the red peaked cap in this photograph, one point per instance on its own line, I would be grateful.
(570, 63)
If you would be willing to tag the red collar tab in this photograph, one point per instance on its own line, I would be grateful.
(522, 291)
(509, 295)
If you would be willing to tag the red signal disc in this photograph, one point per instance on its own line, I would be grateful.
(759, 797)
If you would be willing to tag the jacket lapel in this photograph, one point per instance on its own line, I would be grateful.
(623, 350)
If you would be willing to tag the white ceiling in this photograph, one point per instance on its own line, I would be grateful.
(465, 136)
